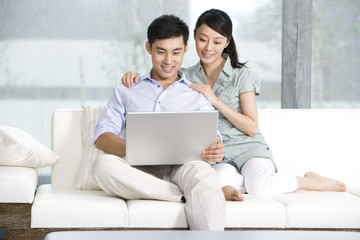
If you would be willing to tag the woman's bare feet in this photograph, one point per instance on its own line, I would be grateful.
(314, 182)
(232, 194)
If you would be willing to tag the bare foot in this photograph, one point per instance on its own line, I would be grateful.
(315, 182)
(232, 194)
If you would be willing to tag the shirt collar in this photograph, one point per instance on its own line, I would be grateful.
(228, 69)
(180, 74)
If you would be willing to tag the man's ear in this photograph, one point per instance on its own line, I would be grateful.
(148, 47)
(186, 48)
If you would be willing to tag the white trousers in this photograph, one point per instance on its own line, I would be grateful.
(257, 177)
(205, 205)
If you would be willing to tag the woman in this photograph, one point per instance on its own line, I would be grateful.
(231, 87)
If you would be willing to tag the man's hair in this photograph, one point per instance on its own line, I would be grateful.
(167, 26)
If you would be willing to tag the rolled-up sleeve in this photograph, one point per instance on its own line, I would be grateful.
(112, 118)
(248, 81)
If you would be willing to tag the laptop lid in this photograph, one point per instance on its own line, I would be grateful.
(169, 138)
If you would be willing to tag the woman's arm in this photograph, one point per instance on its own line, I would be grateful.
(247, 121)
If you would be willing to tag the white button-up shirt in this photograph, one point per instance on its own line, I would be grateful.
(148, 95)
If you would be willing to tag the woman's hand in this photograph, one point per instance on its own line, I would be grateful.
(206, 91)
(215, 152)
(130, 78)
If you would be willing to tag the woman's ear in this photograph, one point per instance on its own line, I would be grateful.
(227, 44)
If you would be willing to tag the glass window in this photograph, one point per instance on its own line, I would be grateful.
(336, 54)
(67, 54)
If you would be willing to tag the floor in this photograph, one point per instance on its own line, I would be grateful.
(2, 234)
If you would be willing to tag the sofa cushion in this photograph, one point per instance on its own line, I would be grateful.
(156, 214)
(310, 209)
(17, 184)
(65, 208)
(354, 191)
(18, 148)
(255, 212)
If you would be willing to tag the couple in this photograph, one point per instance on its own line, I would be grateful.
(223, 83)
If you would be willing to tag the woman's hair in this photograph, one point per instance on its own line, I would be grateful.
(221, 23)
(167, 26)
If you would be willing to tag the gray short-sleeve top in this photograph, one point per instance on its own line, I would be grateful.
(230, 84)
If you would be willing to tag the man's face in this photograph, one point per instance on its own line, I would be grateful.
(167, 57)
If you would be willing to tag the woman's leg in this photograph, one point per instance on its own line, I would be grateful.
(261, 179)
(230, 180)
(314, 182)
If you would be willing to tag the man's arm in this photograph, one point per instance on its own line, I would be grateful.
(110, 143)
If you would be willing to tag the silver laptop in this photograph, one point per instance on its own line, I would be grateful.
(169, 138)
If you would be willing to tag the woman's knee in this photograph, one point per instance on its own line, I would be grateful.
(255, 189)
(228, 175)
(258, 176)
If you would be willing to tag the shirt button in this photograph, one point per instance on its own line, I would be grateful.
(158, 102)
(158, 85)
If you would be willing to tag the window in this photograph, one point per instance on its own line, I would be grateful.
(70, 53)
(336, 54)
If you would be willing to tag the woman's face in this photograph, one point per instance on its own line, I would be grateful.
(209, 44)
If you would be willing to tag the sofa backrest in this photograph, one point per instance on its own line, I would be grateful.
(325, 141)
(66, 141)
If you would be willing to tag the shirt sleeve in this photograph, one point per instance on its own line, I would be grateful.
(248, 81)
(112, 118)
(204, 104)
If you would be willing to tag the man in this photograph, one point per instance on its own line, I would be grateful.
(165, 88)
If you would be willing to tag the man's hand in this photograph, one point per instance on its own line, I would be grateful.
(215, 152)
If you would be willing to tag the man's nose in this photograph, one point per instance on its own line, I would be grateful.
(168, 58)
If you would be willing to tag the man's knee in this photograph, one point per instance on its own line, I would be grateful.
(105, 163)
(199, 166)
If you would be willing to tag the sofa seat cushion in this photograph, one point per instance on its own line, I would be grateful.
(311, 209)
(354, 191)
(156, 214)
(67, 208)
(255, 212)
(17, 184)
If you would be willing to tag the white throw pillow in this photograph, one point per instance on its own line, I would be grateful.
(90, 117)
(84, 180)
(18, 148)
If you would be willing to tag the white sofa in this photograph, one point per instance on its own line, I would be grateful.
(324, 141)
(17, 190)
